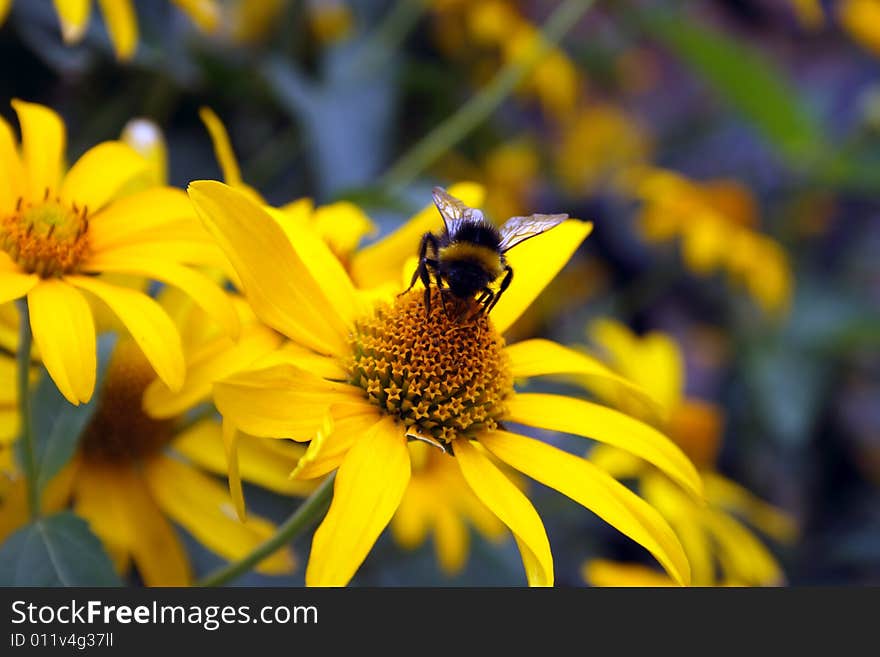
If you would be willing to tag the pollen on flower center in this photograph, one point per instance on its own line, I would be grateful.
(120, 431)
(48, 238)
(442, 376)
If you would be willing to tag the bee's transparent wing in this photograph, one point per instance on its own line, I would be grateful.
(454, 212)
(518, 229)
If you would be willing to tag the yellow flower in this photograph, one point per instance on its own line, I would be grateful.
(127, 485)
(120, 19)
(380, 372)
(861, 18)
(329, 20)
(809, 13)
(598, 146)
(59, 228)
(498, 27)
(714, 540)
(716, 224)
(135, 472)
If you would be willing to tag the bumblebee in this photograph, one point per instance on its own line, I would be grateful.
(468, 255)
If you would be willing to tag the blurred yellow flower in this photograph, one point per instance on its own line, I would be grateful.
(359, 401)
(126, 483)
(60, 228)
(329, 20)
(717, 224)
(121, 19)
(133, 471)
(809, 13)
(720, 549)
(861, 18)
(439, 501)
(597, 147)
(500, 29)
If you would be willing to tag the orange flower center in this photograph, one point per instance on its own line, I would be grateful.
(443, 376)
(47, 238)
(120, 431)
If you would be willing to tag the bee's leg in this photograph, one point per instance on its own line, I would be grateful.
(439, 281)
(429, 241)
(485, 297)
(423, 269)
(505, 283)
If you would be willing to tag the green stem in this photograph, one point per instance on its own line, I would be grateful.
(306, 514)
(480, 107)
(29, 458)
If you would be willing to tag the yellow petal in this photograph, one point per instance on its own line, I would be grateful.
(586, 484)
(147, 323)
(583, 418)
(180, 242)
(43, 140)
(327, 450)
(153, 209)
(14, 285)
(98, 498)
(121, 23)
(74, 17)
(229, 434)
(369, 486)
(685, 517)
(325, 268)
(382, 262)
(203, 508)
(11, 170)
(4, 9)
(275, 279)
(616, 462)
(729, 495)
(206, 14)
(409, 526)
(342, 225)
(451, 539)
(100, 173)
(217, 360)
(539, 357)
(743, 557)
(601, 572)
(155, 547)
(654, 361)
(207, 294)
(535, 263)
(280, 401)
(291, 353)
(64, 332)
(507, 502)
(222, 147)
(14, 512)
(259, 459)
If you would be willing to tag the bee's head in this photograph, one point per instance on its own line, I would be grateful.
(465, 279)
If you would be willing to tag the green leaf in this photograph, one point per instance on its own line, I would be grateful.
(58, 424)
(745, 78)
(58, 550)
